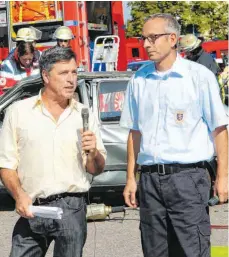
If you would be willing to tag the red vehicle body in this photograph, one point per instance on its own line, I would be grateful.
(217, 48)
(136, 52)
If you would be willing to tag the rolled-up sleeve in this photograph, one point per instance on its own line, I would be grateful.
(8, 142)
(129, 117)
(213, 109)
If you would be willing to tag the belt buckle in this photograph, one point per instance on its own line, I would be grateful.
(163, 169)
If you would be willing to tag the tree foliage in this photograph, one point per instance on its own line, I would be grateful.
(206, 18)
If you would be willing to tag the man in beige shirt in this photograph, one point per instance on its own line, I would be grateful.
(43, 160)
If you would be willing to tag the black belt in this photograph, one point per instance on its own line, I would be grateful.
(165, 169)
(51, 198)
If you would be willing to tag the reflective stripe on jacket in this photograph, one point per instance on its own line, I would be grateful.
(12, 70)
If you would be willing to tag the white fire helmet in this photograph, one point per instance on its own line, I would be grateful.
(189, 42)
(63, 33)
(28, 34)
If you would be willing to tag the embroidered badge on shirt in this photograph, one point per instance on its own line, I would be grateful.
(179, 117)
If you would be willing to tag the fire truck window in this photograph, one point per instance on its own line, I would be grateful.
(98, 12)
(135, 52)
(111, 100)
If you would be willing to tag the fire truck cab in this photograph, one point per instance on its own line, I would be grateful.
(87, 20)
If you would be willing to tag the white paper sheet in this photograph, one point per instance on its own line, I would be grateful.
(46, 212)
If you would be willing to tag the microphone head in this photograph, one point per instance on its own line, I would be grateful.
(85, 113)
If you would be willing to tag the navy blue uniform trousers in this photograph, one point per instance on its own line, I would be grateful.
(174, 220)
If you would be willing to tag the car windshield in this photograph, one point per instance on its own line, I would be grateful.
(111, 99)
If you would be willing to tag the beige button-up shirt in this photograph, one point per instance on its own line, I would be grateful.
(46, 154)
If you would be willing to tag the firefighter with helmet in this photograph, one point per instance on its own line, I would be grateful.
(190, 45)
(22, 60)
(63, 35)
(28, 35)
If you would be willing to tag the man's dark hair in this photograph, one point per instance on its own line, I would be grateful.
(54, 55)
(25, 48)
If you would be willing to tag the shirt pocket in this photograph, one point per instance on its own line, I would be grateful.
(32, 134)
(70, 144)
(22, 135)
(182, 114)
(26, 138)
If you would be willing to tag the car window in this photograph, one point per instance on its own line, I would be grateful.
(111, 99)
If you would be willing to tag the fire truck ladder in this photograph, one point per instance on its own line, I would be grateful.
(106, 52)
(83, 37)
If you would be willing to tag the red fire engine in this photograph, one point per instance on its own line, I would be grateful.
(218, 48)
(136, 52)
(86, 19)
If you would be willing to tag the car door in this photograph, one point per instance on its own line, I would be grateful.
(108, 98)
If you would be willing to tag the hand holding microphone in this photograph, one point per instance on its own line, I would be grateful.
(88, 137)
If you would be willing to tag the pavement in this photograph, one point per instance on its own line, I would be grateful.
(118, 235)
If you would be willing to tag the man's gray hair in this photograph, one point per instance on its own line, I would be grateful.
(54, 55)
(172, 24)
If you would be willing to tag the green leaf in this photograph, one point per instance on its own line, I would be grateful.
(209, 17)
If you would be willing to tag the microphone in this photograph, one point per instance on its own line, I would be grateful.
(85, 117)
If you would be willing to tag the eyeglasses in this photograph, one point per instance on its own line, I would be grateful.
(152, 38)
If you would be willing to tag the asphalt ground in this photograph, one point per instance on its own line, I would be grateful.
(117, 235)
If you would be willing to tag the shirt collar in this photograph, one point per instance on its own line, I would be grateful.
(178, 67)
(38, 101)
(73, 104)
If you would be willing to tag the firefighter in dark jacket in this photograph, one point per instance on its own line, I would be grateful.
(191, 46)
